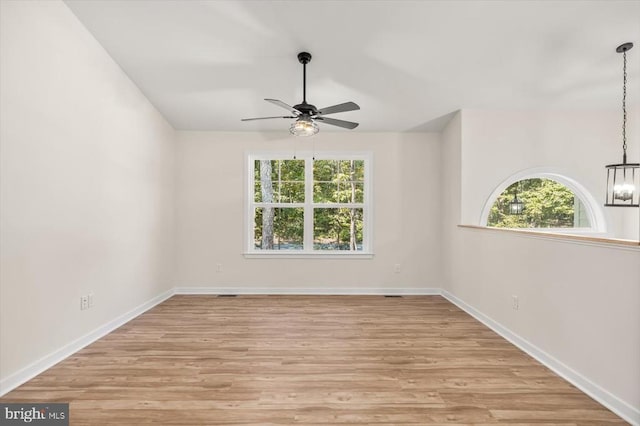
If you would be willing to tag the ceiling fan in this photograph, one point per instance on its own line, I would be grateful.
(307, 115)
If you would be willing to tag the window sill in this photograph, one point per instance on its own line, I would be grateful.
(307, 255)
(568, 237)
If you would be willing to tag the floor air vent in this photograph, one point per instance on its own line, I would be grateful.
(227, 295)
(392, 295)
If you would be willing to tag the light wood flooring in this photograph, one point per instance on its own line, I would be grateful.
(309, 360)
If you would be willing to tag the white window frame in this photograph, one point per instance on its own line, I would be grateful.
(593, 212)
(309, 205)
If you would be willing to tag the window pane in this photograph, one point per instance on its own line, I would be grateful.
(290, 192)
(337, 229)
(279, 181)
(338, 181)
(546, 204)
(278, 228)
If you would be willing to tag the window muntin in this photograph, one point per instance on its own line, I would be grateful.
(548, 204)
(314, 204)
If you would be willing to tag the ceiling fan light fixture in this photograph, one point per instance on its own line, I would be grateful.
(304, 126)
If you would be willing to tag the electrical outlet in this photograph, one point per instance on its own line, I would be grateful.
(218, 267)
(515, 303)
(84, 302)
(396, 268)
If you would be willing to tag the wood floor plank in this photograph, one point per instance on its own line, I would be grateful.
(309, 360)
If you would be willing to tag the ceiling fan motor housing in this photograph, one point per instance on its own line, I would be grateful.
(306, 108)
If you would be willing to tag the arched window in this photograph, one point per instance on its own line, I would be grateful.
(544, 201)
(538, 203)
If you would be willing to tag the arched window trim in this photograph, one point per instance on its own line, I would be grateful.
(594, 213)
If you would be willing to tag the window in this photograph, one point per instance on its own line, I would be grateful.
(549, 201)
(311, 204)
(546, 204)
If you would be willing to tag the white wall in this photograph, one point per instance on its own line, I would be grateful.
(210, 212)
(578, 144)
(87, 185)
(579, 303)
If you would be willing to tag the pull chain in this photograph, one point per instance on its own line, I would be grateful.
(295, 156)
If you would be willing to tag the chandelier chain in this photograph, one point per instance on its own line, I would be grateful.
(624, 105)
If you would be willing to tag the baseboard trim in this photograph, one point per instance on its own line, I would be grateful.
(320, 291)
(604, 397)
(29, 372)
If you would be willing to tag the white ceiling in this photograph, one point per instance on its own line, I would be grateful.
(408, 64)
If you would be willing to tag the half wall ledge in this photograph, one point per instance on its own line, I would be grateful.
(571, 238)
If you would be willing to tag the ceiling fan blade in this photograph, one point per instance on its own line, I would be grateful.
(339, 123)
(347, 106)
(285, 106)
(263, 118)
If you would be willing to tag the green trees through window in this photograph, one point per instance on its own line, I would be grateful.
(279, 188)
(308, 204)
(547, 204)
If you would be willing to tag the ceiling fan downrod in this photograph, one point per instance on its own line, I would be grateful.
(304, 58)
